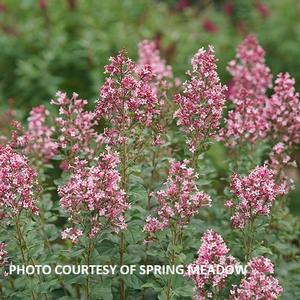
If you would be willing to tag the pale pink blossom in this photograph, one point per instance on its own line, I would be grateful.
(75, 125)
(202, 100)
(18, 140)
(149, 55)
(161, 82)
(283, 111)
(40, 142)
(18, 182)
(127, 96)
(111, 137)
(153, 225)
(279, 160)
(249, 70)
(213, 252)
(3, 255)
(255, 195)
(251, 79)
(229, 203)
(93, 197)
(180, 200)
(72, 234)
(258, 283)
(279, 157)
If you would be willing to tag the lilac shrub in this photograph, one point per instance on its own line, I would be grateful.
(93, 197)
(256, 194)
(213, 253)
(178, 202)
(200, 106)
(17, 183)
(247, 91)
(259, 283)
(135, 179)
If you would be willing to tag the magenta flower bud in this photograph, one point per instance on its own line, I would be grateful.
(43, 4)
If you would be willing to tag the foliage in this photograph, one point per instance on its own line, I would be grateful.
(137, 177)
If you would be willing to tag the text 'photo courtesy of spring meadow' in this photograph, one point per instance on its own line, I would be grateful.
(149, 150)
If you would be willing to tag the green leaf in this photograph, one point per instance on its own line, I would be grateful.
(186, 291)
(133, 281)
(154, 286)
(74, 279)
(106, 247)
(102, 293)
(162, 296)
(261, 250)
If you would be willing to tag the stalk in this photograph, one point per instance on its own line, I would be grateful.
(150, 184)
(77, 287)
(150, 188)
(249, 240)
(1, 292)
(172, 259)
(194, 160)
(122, 250)
(122, 237)
(21, 245)
(29, 258)
(49, 246)
(88, 261)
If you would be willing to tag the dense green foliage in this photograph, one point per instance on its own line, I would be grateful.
(56, 47)
(59, 47)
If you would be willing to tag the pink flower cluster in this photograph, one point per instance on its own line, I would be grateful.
(212, 253)
(283, 111)
(247, 90)
(94, 190)
(127, 95)
(72, 234)
(263, 9)
(278, 156)
(149, 55)
(17, 184)
(161, 83)
(18, 139)
(179, 201)
(202, 101)
(75, 126)
(256, 194)
(278, 161)
(3, 255)
(39, 141)
(258, 283)
(249, 70)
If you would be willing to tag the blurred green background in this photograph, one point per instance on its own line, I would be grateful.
(48, 45)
